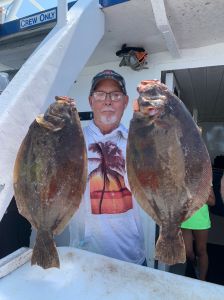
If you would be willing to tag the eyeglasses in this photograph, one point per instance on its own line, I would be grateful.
(114, 96)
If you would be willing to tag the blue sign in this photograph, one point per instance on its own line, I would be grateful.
(33, 20)
(46, 16)
(106, 3)
(43, 17)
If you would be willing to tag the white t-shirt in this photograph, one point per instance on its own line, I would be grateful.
(107, 221)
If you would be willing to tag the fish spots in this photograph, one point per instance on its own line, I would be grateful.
(149, 179)
(52, 188)
(70, 256)
(112, 268)
(162, 124)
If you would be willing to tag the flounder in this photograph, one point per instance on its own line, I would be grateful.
(168, 165)
(50, 176)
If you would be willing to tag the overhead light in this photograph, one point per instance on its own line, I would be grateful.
(133, 57)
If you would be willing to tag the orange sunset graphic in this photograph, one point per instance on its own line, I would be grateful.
(108, 192)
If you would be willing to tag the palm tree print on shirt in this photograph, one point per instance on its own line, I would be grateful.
(108, 192)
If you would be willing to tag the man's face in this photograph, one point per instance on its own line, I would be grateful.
(108, 113)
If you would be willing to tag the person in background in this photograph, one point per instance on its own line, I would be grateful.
(108, 220)
(196, 228)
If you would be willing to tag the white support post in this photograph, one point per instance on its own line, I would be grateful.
(13, 11)
(2, 15)
(172, 84)
(163, 25)
(37, 5)
(49, 71)
(62, 12)
(169, 81)
(5, 2)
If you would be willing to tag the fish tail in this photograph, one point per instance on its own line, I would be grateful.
(45, 253)
(170, 247)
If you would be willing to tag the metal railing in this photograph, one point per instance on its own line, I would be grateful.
(9, 9)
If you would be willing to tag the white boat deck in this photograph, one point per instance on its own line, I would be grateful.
(84, 275)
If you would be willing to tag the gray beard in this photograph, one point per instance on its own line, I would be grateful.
(108, 120)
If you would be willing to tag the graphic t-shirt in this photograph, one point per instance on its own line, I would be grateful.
(108, 221)
(108, 193)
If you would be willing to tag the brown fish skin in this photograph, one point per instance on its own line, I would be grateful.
(168, 166)
(50, 176)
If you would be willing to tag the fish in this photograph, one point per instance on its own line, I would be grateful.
(50, 174)
(168, 165)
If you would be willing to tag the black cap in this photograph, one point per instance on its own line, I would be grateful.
(108, 74)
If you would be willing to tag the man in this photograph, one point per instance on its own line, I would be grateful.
(108, 221)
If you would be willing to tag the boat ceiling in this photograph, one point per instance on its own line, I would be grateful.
(191, 24)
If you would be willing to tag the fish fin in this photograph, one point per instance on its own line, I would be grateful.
(45, 253)
(136, 105)
(42, 122)
(170, 248)
(40, 119)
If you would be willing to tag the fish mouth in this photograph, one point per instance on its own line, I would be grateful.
(152, 111)
(152, 107)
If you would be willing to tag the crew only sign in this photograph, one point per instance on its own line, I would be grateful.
(43, 17)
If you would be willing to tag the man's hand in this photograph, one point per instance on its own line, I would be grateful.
(66, 99)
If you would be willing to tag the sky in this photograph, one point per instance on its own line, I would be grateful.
(28, 7)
